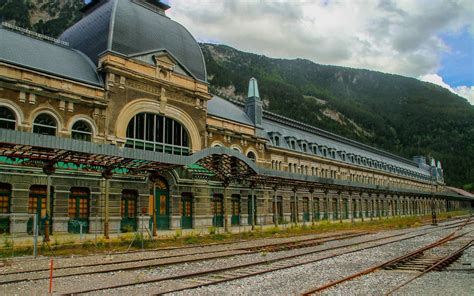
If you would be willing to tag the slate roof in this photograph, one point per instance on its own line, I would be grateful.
(286, 127)
(46, 57)
(338, 143)
(128, 28)
(222, 108)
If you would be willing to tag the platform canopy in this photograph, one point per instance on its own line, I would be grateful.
(216, 163)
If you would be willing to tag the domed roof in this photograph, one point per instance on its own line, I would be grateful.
(131, 27)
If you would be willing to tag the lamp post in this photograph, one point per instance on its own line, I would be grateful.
(106, 175)
(48, 169)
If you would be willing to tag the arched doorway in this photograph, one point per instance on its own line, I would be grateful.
(161, 204)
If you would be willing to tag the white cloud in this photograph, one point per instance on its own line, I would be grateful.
(396, 36)
(463, 91)
(466, 92)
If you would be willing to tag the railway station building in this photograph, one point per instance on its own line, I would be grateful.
(113, 127)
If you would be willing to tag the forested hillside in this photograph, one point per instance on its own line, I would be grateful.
(398, 114)
(49, 17)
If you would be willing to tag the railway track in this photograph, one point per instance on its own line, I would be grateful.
(214, 276)
(412, 261)
(436, 264)
(28, 275)
(9, 261)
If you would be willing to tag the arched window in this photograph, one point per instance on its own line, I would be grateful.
(154, 132)
(81, 130)
(7, 118)
(44, 124)
(236, 149)
(252, 156)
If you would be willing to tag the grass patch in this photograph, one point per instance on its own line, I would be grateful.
(65, 245)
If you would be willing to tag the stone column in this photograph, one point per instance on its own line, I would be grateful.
(350, 207)
(225, 206)
(295, 206)
(341, 210)
(389, 206)
(252, 206)
(379, 207)
(275, 207)
(311, 205)
(362, 207)
(358, 207)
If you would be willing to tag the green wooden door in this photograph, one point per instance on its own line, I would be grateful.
(325, 209)
(345, 207)
(217, 209)
(305, 209)
(186, 212)
(336, 211)
(128, 209)
(162, 211)
(316, 210)
(5, 202)
(235, 218)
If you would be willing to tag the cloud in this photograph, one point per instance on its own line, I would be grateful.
(466, 92)
(463, 91)
(396, 36)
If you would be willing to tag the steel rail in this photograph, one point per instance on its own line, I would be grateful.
(265, 247)
(444, 240)
(261, 262)
(441, 262)
(237, 252)
(451, 221)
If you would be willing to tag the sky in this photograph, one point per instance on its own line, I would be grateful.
(432, 40)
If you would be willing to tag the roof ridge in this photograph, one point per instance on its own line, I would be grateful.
(111, 26)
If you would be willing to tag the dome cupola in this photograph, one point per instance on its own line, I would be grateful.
(131, 28)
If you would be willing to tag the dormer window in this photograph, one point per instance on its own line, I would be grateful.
(276, 141)
(315, 149)
(343, 155)
(303, 147)
(291, 141)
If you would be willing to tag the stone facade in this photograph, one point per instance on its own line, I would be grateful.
(132, 86)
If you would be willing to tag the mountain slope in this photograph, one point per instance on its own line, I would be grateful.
(49, 17)
(395, 113)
